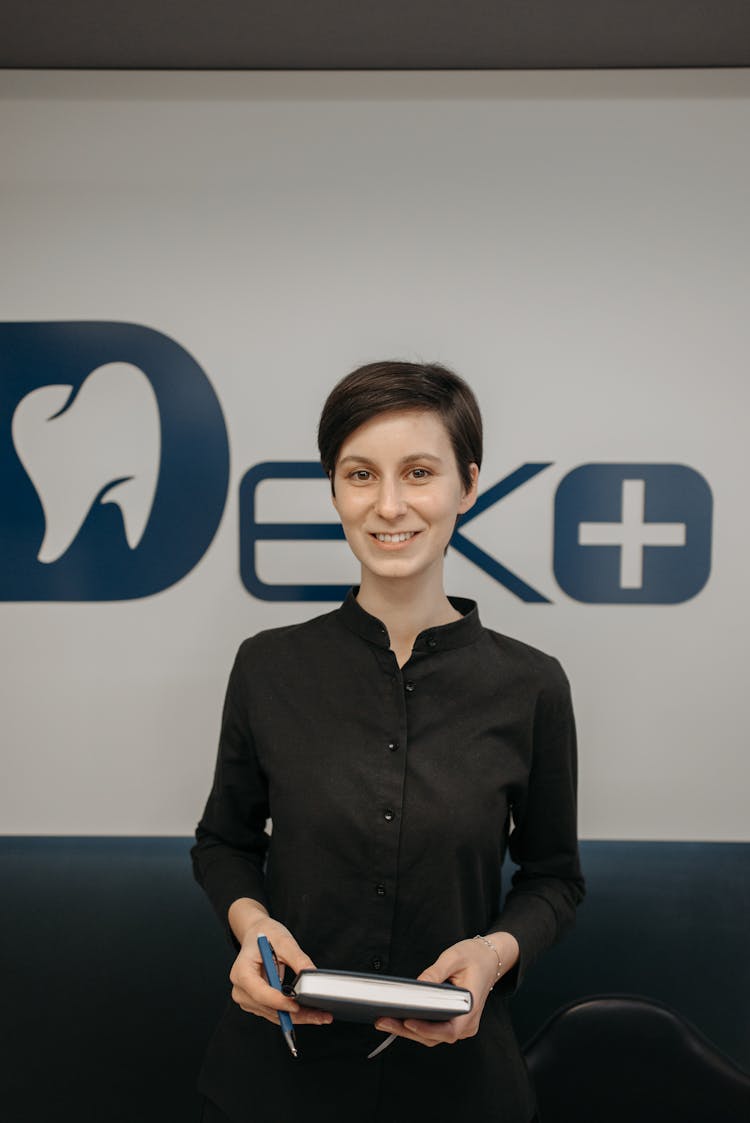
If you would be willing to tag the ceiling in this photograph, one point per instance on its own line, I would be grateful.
(389, 34)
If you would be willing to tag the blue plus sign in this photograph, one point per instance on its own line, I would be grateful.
(633, 533)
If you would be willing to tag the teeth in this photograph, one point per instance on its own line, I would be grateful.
(395, 537)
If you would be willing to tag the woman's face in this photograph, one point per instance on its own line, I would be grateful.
(398, 492)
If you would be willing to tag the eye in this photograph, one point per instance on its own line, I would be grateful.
(360, 475)
(421, 473)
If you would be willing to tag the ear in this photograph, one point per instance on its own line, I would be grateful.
(333, 493)
(470, 496)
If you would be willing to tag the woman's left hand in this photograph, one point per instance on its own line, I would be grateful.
(470, 964)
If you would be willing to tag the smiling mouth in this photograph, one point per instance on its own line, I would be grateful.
(402, 536)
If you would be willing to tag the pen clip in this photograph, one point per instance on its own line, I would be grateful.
(275, 960)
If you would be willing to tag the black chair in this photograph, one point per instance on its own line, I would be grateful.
(626, 1059)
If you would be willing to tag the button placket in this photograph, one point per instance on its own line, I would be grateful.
(388, 809)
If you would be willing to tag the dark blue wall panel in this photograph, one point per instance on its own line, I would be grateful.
(116, 967)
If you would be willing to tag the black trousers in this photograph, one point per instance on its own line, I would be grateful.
(212, 1114)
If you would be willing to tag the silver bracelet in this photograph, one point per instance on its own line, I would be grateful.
(490, 944)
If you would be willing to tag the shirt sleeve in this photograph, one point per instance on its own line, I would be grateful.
(231, 841)
(548, 885)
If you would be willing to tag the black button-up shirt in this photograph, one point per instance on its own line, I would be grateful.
(393, 793)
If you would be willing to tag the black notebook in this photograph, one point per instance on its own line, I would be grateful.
(361, 997)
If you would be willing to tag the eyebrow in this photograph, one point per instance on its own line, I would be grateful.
(404, 460)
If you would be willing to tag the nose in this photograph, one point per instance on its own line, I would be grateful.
(389, 501)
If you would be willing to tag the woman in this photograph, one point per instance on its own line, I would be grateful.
(398, 747)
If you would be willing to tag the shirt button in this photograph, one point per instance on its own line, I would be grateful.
(376, 962)
(380, 890)
(432, 642)
(393, 745)
(409, 686)
(388, 815)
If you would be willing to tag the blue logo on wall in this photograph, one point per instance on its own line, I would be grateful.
(624, 533)
(114, 461)
(114, 466)
(633, 533)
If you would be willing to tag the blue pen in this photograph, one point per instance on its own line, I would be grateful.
(269, 966)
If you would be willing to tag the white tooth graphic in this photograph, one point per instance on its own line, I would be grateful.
(108, 434)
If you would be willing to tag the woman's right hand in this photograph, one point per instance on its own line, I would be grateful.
(248, 920)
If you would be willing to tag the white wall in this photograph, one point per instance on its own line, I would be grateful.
(576, 244)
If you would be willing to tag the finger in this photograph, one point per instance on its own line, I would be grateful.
(313, 1018)
(249, 981)
(248, 973)
(255, 994)
(435, 1032)
(430, 1033)
(271, 1014)
(304, 1018)
(461, 1027)
(389, 1025)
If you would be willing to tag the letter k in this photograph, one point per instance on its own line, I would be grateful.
(485, 561)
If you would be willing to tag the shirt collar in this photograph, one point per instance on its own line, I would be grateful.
(441, 638)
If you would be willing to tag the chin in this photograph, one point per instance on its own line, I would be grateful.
(392, 566)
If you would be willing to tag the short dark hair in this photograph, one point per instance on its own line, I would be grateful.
(392, 385)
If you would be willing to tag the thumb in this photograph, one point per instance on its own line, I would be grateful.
(446, 964)
(288, 950)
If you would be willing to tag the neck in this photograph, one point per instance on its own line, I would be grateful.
(407, 607)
